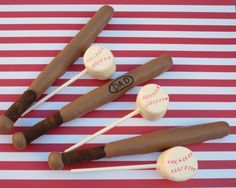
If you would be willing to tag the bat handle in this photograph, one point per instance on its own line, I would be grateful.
(57, 161)
(21, 139)
(8, 119)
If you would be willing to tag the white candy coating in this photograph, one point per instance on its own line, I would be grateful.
(152, 101)
(177, 164)
(99, 62)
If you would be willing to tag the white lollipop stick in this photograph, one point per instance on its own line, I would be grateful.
(55, 91)
(176, 164)
(129, 167)
(98, 62)
(152, 102)
(105, 129)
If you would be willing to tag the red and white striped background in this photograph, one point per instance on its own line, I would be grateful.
(199, 34)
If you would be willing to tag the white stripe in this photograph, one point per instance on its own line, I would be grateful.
(203, 61)
(133, 122)
(121, 47)
(171, 90)
(122, 60)
(166, 75)
(71, 139)
(130, 8)
(118, 33)
(132, 106)
(106, 175)
(138, 21)
(43, 156)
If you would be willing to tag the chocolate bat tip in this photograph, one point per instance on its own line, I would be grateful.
(19, 141)
(168, 58)
(55, 161)
(5, 124)
(108, 8)
(225, 127)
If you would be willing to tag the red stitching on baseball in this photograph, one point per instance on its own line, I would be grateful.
(183, 167)
(153, 93)
(152, 102)
(100, 61)
(98, 52)
(182, 159)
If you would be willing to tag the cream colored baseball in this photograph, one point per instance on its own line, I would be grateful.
(177, 164)
(152, 101)
(99, 62)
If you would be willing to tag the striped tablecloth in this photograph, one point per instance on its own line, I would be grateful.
(200, 35)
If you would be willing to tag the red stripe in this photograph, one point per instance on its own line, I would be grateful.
(120, 67)
(163, 82)
(150, 2)
(119, 27)
(220, 182)
(53, 53)
(61, 147)
(132, 40)
(121, 113)
(36, 165)
(218, 15)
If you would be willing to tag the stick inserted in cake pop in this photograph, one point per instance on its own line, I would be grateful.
(176, 164)
(99, 63)
(152, 102)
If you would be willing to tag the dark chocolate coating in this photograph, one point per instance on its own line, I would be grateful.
(20, 105)
(20, 139)
(42, 127)
(75, 156)
(57, 161)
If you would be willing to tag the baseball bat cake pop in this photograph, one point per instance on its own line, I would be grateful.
(57, 67)
(176, 164)
(99, 63)
(146, 143)
(151, 102)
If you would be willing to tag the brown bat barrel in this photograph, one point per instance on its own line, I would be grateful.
(150, 142)
(95, 98)
(57, 66)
